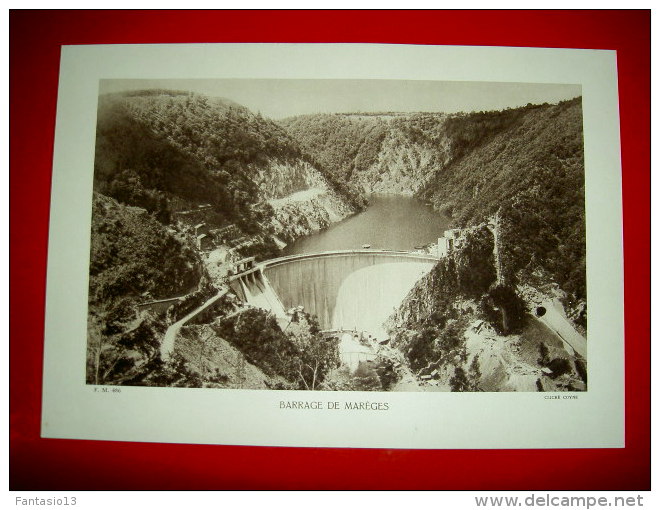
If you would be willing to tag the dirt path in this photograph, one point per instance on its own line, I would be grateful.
(556, 321)
(167, 345)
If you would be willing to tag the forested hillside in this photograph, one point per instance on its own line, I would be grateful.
(526, 162)
(529, 164)
(467, 331)
(133, 258)
(166, 150)
(344, 144)
(166, 163)
(389, 153)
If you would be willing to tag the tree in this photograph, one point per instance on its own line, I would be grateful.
(474, 374)
(421, 348)
(176, 372)
(365, 378)
(450, 337)
(316, 355)
(386, 373)
(459, 382)
(257, 335)
(559, 366)
(475, 263)
(504, 309)
(300, 355)
(581, 369)
(544, 354)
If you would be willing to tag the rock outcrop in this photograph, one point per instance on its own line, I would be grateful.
(403, 167)
(302, 200)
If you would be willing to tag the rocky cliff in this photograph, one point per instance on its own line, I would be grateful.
(306, 212)
(169, 150)
(527, 163)
(461, 330)
(402, 166)
(301, 198)
(386, 153)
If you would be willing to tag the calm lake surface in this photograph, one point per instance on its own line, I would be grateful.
(391, 222)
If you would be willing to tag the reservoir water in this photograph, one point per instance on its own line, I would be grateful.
(358, 292)
(390, 222)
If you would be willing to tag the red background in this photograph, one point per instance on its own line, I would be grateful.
(35, 463)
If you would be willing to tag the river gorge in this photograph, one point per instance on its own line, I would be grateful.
(354, 274)
(390, 222)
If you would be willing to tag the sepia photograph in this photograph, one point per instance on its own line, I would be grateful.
(371, 242)
(338, 235)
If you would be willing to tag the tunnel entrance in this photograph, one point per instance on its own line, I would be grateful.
(540, 311)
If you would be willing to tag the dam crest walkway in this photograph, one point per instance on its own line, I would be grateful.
(391, 254)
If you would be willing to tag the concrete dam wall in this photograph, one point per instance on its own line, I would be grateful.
(255, 290)
(345, 290)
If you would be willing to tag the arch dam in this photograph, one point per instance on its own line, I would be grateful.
(346, 290)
